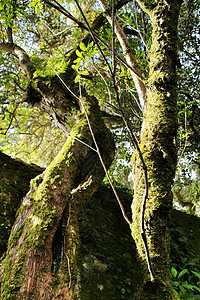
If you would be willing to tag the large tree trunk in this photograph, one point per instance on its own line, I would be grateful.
(157, 146)
(41, 257)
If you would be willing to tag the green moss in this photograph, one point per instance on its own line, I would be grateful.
(158, 131)
(15, 237)
(11, 283)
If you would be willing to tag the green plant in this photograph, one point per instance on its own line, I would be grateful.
(183, 288)
(83, 55)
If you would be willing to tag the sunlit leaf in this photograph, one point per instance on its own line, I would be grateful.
(80, 54)
(85, 73)
(184, 271)
(174, 272)
(2, 4)
(77, 78)
(196, 274)
(82, 46)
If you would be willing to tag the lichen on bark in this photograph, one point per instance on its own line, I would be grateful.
(157, 146)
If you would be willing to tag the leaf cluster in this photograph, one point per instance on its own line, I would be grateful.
(83, 56)
(184, 289)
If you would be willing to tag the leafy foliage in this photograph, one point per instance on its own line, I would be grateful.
(184, 289)
(185, 260)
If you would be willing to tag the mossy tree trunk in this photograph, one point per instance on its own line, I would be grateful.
(159, 153)
(41, 258)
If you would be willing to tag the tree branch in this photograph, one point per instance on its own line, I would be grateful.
(24, 60)
(146, 5)
(10, 36)
(128, 53)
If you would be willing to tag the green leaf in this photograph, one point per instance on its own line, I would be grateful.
(37, 9)
(78, 60)
(2, 4)
(174, 272)
(85, 73)
(90, 45)
(82, 46)
(175, 283)
(196, 288)
(94, 51)
(76, 79)
(75, 67)
(182, 272)
(32, 3)
(78, 53)
(196, 274)
(182, 289)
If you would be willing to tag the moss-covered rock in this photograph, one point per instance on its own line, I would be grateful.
(15, 177)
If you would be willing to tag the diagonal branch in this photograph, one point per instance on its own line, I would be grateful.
(146, 5)
(128, 53)
(23, 57)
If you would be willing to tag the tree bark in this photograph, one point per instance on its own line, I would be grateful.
(157, 145)
(42, 250)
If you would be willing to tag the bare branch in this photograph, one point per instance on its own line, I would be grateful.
(10, 36)
(23, 57)
(102, 162)
(128, 53)
(12, 118)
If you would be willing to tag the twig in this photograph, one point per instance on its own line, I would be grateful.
(186, 133)
(136, 100)
(133, 138)
(59, 33)
(144, 167)
(91, 131)
(113, 39)
(13, 115)
(62, 127)
(70, 276)
(109, 93)
(135, 143)
(138, 30)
